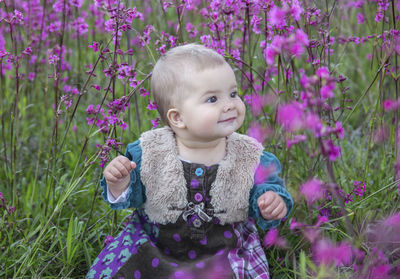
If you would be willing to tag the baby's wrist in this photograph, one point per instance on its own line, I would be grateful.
(116, 189)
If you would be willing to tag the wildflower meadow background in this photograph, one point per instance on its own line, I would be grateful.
(321, 84)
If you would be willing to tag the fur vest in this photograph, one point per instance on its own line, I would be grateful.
(163, 178)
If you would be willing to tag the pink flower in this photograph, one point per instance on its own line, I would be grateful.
(296, 10)
(276, 17)
(313, 123)
(258, 132)
(327, 90)
(393, 220)
(108, 240)
(294, 224)
(271, 238)
(323, 72)
(191, 30)
(296, 49)
(31, 76)
(156, 122)
(326, 252)
(360, 18)
(151, 106)
(290, 116)
(339, 131)
(27, 51)
(312, 190)
(302, 37)
(311, 234)
(262, 173)
(296, 139)
(96, 86)
(75, 91)
(330, 150)
(256, 104)
(94, 46)
(389, 105)
(321, 220)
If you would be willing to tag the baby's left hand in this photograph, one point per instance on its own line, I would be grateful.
(272, 206)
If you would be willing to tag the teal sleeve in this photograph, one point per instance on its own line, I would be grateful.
(136, 193)
(271, 183)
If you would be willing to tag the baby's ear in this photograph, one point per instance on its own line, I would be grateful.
(175, 119)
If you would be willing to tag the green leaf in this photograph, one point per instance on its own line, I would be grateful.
(69, 238)
(302, 265)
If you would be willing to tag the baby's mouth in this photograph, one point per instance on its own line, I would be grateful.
(227, 120)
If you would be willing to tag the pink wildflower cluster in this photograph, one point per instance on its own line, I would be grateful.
(104, 150)
(104, 120)
(305, 114)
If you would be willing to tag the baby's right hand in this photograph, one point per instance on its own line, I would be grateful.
(117, 175)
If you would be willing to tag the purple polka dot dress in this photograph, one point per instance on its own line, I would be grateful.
(196, 246)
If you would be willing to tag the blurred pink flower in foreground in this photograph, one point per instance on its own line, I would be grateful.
(262, 173)
(312, 190)
(272, 238)
(290, 116)
(326, 252)
(258, 132)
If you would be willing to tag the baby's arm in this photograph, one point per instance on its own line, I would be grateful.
(117, 175)
(266, 197)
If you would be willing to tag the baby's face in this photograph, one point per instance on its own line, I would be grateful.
(211, 107)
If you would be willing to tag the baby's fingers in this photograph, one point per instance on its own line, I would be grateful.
(126, 163)
(116, 172)
(277, 213)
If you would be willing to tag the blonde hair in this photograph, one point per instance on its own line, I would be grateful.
(169, 79)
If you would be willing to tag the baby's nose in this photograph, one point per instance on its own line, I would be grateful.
(228, 105)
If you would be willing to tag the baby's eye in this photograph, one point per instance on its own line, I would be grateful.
(234, 94)
(212, 99)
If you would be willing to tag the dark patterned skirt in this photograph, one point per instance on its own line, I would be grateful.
(149, 251)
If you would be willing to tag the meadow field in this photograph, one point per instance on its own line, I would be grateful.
(320, 80)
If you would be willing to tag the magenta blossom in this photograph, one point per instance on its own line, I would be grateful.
(330, 150)
(258, 132)
(389, 105)
(393, 220)
(360, 18)
(272, 238)
(296, 139)
(277, 17)
(327, 253)
(312, 190)
(323, 72)
(108, 239)
(94, 46)
(152, 105)
(262, 173)
(290, 116)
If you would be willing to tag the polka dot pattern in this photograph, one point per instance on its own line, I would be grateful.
(194, 183)
(204, 241)
(176, 237)
(155, 262)
(227, 234)
(192, 254)
(198, 197)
